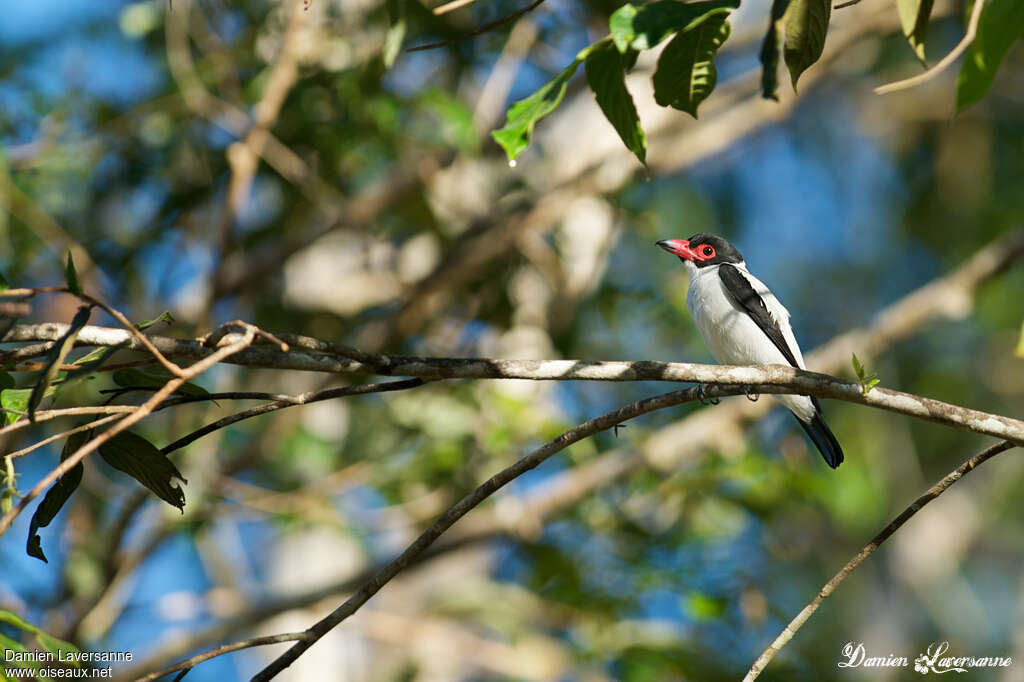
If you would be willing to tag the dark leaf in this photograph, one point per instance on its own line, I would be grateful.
(914, 18)
(71, 276)
(525, 113)
(644, 27)
(140, 459)
(1000, 25)
(56, 496)
(771, 49)
(6, 381)
(55, 358)
(4, 286)
(806, 23)
(134, 378)
(606, 73)
(686, 72)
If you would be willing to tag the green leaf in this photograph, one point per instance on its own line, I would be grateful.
(606, 74)
(71, 276)
(134, 378)
(396, 32)
(8, 644)
(4, 286)
(56, 496)
(771, 50)
(15, 399)
(914, 16)
(47, 641)
(54, 360)
(59, 648)
(525, 113)
(1000, 25)
(140, 459)
(165, 316)
(89, 363)
(17, 621)
(686, 72)
(1019, 350)
(806, 23)
(858, 367)
(644, 27)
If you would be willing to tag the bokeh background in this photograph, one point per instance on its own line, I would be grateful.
(295, 169)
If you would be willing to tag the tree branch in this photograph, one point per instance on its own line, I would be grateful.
(135, 416)
(483, 29)
(830, 587)
(943, 64)
(289, 401)
(463, 506)
(190, 663)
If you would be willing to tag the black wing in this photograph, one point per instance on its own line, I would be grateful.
(742, 293)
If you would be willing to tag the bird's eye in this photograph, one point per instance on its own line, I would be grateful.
(707, 251)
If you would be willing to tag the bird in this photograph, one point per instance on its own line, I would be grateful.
(743, 323)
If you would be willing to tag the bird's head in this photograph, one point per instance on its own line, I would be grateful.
(701, 251)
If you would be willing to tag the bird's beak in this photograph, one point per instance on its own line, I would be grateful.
(678, 247)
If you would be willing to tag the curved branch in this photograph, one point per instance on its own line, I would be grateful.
(943, 64)
(190, 663)
(830, 587)
(290, 401)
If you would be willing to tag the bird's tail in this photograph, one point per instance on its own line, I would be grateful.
(823, 437)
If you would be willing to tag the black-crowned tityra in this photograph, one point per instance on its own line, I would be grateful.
(743, 323)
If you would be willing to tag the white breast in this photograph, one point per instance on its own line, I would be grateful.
(732, 336)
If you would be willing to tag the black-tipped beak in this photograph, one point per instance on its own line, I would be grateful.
(677, 247)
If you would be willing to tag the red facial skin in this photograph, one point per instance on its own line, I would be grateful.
(681, 248)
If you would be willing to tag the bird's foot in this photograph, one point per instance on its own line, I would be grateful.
(751, 396)
(703, 398)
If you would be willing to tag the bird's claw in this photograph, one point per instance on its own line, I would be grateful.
(751, 396)
(703, 398)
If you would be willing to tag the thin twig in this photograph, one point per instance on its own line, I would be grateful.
(135, 416)
(290, 401)
(943, 64)
(64, 434)
(225, 649)
(463, 506)
(450, 6)
(483, 29)
(46, 415)
(134, 331)
(929, 495)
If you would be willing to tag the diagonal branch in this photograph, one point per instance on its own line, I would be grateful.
(483, 29)
(830, 587)
(190, 663)
(463, 506)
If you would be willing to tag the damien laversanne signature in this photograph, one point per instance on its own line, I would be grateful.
(933, 660)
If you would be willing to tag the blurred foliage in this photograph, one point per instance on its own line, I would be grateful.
(382, 214)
